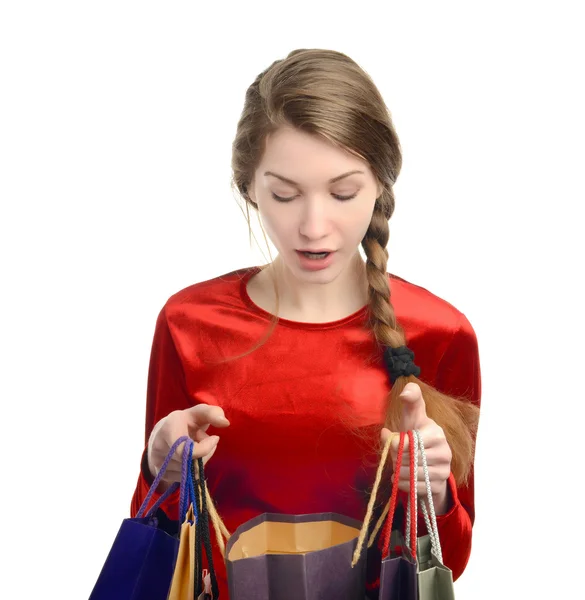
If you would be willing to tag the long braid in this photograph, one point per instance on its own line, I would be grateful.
(457, 418)
(382, 319)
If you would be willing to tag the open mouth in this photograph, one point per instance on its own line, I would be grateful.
(316, 255)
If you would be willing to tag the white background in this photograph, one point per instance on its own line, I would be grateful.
(115, 136)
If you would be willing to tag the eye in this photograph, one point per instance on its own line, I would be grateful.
(279, 199)
(345, 197)
(337, 196)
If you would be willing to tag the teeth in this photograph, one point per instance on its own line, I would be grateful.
(315, 256)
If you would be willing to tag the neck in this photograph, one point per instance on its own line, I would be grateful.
(320, 302)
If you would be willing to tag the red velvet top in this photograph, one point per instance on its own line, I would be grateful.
(306, 407)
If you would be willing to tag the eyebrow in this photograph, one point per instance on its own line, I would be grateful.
(333, 180)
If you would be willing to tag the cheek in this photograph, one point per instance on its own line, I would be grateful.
(276, 228)
(356, 225)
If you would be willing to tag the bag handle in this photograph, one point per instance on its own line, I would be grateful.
(191, 491)
(202, 532)
(184, 497)
(158, 478)
(412, 519)
(387, 531)
(382, 519)
(431, 522)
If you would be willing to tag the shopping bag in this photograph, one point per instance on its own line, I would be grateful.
(141, 560)
(435, 580)
(189, 579)
(295, 557)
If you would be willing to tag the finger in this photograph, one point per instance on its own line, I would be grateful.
(433, 459)
(437, 452)
(202, 416)
(414, 415)
(434, 438)
(385, 433)
(421, 488)
(162, 446)
(436, 473)
(205, 447)
(200, 435)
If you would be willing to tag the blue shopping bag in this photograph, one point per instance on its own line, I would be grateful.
(141, 560)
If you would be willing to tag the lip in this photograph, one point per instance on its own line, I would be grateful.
(315, 251)
(308, 264)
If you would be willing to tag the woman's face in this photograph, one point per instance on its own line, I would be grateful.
(315, 209)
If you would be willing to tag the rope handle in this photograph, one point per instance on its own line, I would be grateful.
(431, 522)
(387, 531)
(382, 519)
(185, 491)
(203, 531)
(158, 479)
(412, 506)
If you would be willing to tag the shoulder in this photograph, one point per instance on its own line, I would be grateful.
(416, 307)
(196, 300)
(225, 284)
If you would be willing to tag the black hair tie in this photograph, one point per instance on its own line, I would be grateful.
(400, 362)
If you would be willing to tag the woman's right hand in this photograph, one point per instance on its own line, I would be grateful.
(193, 422)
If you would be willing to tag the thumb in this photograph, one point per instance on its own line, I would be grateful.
(414, 413)
(201, 416)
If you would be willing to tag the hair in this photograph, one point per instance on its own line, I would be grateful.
(325, 93)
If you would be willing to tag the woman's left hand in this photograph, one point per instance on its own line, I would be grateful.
(437, 449)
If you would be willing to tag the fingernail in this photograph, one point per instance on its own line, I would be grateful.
(214, 439)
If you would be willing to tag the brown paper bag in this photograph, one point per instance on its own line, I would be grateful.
(300, 557)
(183, 582)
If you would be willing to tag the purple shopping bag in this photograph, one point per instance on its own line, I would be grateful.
(398, 574)
(141, 560)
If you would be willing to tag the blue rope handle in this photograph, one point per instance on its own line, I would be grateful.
(157, 480)
(184, 503)
(187, 449)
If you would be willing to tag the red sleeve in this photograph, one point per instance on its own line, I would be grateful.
(459, 374)
(166, 392)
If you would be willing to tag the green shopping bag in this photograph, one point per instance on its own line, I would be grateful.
(435, 580)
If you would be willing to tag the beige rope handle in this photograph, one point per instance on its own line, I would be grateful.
(219, 527)
(379, 525)
(370, 509)
(384, 514)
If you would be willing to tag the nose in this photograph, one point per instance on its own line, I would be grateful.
(314, 221)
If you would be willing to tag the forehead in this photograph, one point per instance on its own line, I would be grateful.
(306, 158)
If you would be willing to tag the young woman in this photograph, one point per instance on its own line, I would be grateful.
(301, 367)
